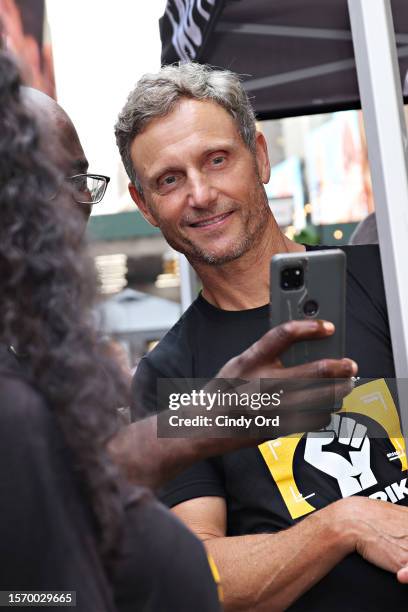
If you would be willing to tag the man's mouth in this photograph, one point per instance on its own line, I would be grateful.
(217, 220)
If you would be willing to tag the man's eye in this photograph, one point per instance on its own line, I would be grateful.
(167, 181)
(82, 185)
(217, 161)
(79, 182)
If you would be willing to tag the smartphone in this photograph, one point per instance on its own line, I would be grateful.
(310, 285)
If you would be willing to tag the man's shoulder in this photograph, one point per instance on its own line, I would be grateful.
(364, 270)
(172, 358)
(176, 343)
(358, 255)
(356, 252)
(363, 266)
(362, 254)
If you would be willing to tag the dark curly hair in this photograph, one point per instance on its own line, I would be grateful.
(47, 290)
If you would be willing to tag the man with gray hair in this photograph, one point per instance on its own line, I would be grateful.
(197, 167)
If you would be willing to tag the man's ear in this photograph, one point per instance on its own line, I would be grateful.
(141, 204)
(262, 157)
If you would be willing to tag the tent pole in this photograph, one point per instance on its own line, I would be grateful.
(188, 283)
(382, 103)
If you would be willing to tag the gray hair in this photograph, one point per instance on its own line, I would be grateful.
(156, 95)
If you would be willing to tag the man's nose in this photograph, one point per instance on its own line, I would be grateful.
(200, 191)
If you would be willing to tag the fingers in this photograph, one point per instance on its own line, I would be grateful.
(262, 358)
(311, 410)
(297, 423)
(317, 398)
(280, 338)
(325, 368)
(402, 575)
(305, 393)
(386, 551)
(314, 373)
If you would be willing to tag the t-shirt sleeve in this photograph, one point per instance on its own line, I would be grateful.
(205, 478)
(162, 567)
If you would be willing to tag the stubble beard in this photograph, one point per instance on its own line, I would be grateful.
(250, 235)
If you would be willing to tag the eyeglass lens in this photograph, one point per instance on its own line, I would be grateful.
(89, 189)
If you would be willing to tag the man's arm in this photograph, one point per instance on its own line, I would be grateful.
(145, 459)
(151, 461)
(264, 572)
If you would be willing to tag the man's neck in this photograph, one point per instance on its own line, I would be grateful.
(244, 283)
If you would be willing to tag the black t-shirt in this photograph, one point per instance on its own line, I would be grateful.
(47, 530)
(271, 487)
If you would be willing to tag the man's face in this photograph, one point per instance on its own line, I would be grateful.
(201, 184)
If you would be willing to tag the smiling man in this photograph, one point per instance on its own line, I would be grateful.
(281, 521)
(213, 185)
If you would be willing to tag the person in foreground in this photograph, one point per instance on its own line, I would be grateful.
(68, 522)
(298, 522)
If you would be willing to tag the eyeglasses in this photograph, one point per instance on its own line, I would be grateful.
(88, 188)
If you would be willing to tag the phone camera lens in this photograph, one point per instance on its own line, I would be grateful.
(311, 308)
(292, 278)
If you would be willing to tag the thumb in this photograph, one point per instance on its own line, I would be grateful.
(402, 575)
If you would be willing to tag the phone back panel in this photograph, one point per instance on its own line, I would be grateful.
(324, 283)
